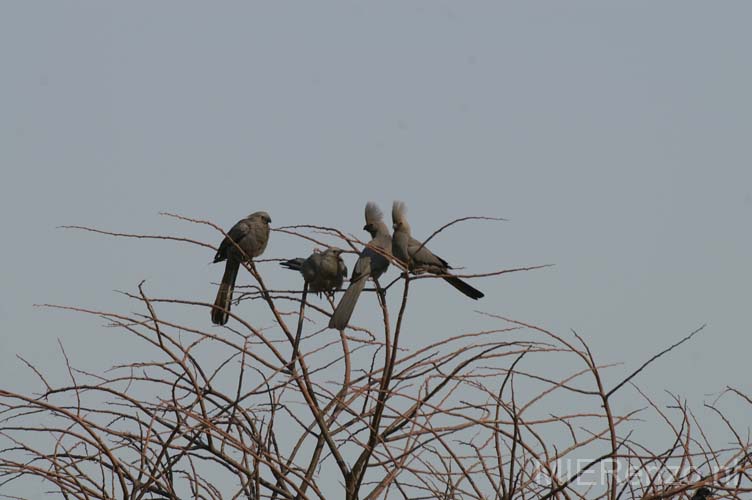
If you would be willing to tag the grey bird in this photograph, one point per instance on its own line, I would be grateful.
(420, 259)
(245, 241)
(370, 263)
(322, 271)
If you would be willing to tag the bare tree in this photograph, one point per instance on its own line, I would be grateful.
(222, 412)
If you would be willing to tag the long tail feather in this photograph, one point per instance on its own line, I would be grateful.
(464, 287)
(346, 306)
(221, 311)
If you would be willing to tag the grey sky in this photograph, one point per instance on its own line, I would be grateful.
(614, 136)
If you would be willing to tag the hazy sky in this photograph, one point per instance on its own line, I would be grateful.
(616, 137)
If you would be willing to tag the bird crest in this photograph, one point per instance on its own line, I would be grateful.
(399, 210)
(373, 213)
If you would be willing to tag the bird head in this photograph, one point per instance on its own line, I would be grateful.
(336, 251)
(261, 216)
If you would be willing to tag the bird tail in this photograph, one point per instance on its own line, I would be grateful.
(220, 313)
(464, 287)
(294, 264)
(346, 306)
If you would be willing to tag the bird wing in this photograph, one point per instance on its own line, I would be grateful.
(236, 233)
(422, 256)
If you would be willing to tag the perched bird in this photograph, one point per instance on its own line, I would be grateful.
(420, 259)
(322, 271)
(370, 263)
(245, 241)
(702, 494)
